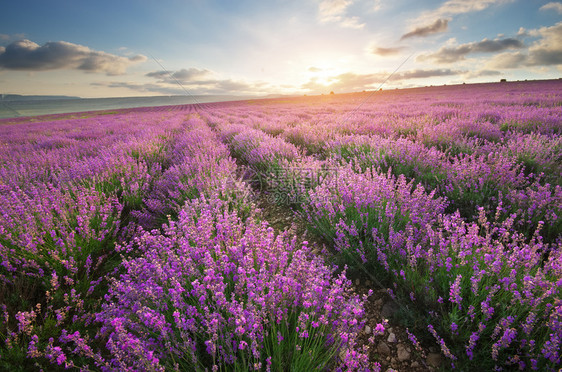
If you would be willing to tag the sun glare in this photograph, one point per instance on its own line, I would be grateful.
(323, 75)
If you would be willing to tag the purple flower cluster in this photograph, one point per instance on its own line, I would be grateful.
(257, 148)
(213, 290)
(484, 263)
(67, 189)
(45, 228)
(373, 208)
(199, 165)
(467, 180)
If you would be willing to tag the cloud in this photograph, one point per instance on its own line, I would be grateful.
(458, 53)
(226, 86)
(314, 69)
(330, 9)
(233, 86)
(196, 81)
(183, 75)
(439, 25)
(335, 11)
(387, 51)
(137, 58)
(351, 22)
(448, 10)
(4, 38)
(56, 55)
(455, 7)
(507, 60)
(480, 73)
(546, 51)
(419, 74)
(352, 82)
(144, 88)
(557, 7)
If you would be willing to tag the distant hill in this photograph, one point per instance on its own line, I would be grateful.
(20, 97)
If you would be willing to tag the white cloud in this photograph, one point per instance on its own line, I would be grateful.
(451, 8)
(454, 7)
(507, 60)
(335, 11)
(352, 82)
(197, 80)
(351, 22)
(183, 75)
(555, 6)
(546, 51)
(330, 9)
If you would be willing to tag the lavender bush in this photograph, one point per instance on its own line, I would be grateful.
(469, 281)
(215, 292)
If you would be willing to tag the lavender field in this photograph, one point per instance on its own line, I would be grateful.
(137, 239)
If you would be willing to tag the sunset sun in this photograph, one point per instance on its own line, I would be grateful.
(322, 75)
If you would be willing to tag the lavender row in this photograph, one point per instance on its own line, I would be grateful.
(66, 151)
(59, 227)
(495, 181)
(215, 291)
(198, 164)
(489, 297)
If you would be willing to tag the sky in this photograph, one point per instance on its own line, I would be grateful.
(240, 47)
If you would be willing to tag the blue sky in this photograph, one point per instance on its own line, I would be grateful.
(117, 48)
